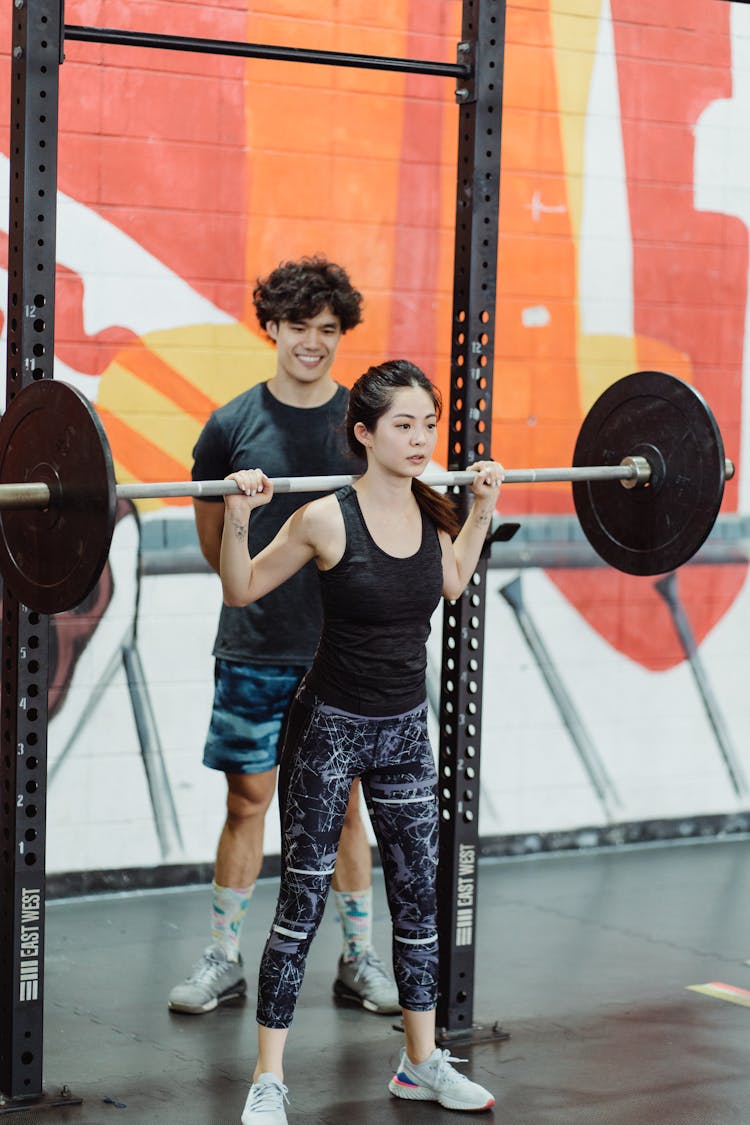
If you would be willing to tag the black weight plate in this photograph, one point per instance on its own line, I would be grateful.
(51, 558)
(655, 528)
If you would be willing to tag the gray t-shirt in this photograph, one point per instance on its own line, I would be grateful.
(255, 430)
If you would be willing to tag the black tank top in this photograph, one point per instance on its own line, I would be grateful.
(371, 658)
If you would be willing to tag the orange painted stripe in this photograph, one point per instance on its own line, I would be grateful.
(140, 456)
(347, 208)
(151, 369)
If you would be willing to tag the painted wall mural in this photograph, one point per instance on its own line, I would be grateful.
(625, 200)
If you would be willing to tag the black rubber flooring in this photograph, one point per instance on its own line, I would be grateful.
(586, 959)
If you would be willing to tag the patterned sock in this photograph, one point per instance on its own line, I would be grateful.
(228, 908)
(355, 915)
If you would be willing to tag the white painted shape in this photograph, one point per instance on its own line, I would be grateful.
(88, 385)
(535, 316)
(724, 655)
(177, 625)
(124, 285)
(538, 207)
(98, 813)
(605, 257)
(722, 184)
(650, 729)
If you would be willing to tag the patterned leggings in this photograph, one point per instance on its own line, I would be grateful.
(325, 749)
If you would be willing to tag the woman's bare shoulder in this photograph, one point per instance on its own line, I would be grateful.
(320, 517)
(323, 528)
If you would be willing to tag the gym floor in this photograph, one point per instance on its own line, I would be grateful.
(586, 959)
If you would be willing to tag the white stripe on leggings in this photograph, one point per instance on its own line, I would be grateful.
(289, 933)
(309, 871)
(401, 800)
(415, 941)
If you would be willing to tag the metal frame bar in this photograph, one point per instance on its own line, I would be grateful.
(35, 60)
(123, 38)
(472, 352)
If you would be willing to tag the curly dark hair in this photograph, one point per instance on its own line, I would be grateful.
(300, 290)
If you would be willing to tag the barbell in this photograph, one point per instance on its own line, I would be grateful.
(651, 432)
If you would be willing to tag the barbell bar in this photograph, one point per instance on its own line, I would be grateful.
(632, 472)
(636, 470)
(650, 431)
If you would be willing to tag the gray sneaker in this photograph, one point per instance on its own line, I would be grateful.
(212, 980)
(265, 1102)
(367, 982)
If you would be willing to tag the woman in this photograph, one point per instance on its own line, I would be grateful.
(385, 554)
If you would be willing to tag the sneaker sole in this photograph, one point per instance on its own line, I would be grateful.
(419, 1094)
(234, 993)
(342, 992)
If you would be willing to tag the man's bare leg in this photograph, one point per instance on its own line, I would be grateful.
(353, 862)
(218, 975)
(239, 856)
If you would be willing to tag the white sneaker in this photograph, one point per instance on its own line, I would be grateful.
(435, 1080)
(265, 1102)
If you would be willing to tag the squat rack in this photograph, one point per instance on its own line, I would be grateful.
(37, 52)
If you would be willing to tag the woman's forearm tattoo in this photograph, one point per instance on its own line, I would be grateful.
(238, 527)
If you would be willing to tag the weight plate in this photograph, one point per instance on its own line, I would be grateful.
(51, 558)
(654, 528)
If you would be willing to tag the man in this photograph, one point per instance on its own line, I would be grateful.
(292, 425)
